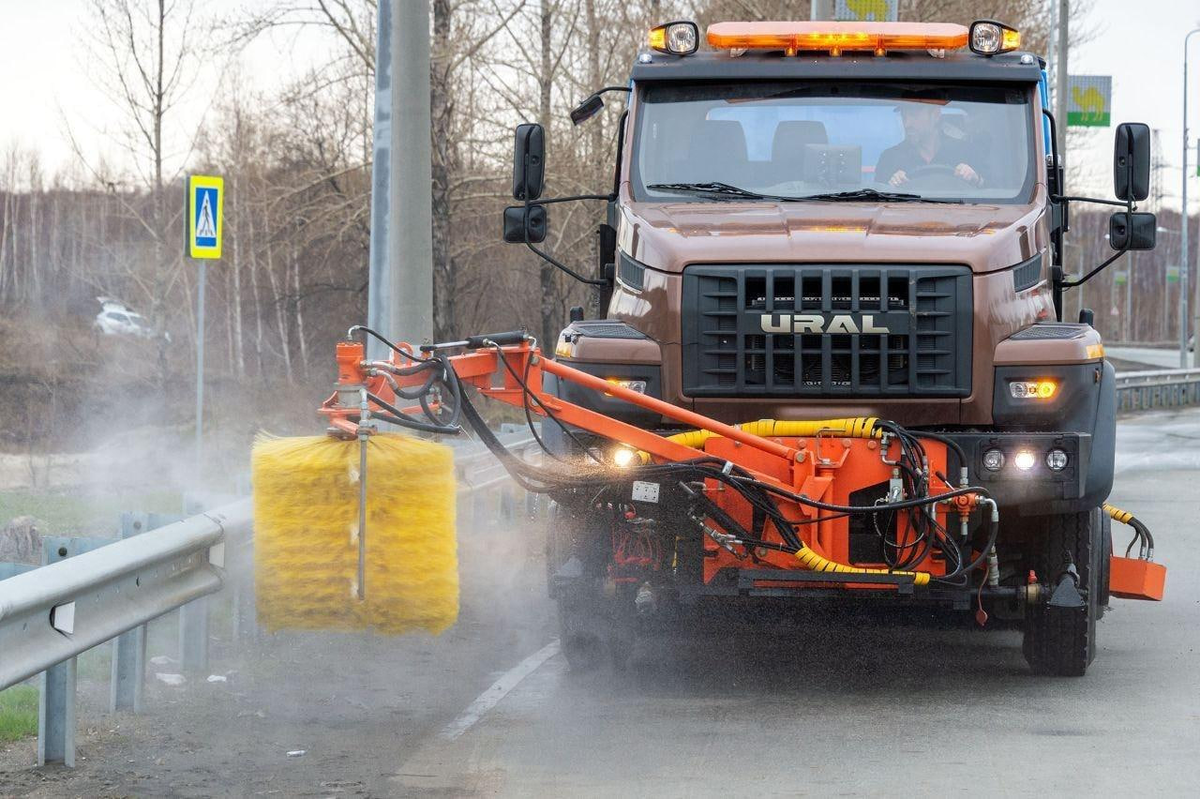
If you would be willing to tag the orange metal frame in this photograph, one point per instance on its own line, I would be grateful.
(825, 468)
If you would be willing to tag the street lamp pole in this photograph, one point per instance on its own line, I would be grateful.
(1183, 233)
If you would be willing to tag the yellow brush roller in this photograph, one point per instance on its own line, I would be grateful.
(306, 537)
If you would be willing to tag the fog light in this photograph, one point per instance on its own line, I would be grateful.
(1056, 459)
(623, 457)
(677, 38)
(633, 385)
(993, 460)
(1024, 460)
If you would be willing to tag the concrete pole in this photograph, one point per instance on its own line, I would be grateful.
(1060, 94)
(1183, 227)
(400, 288)
(822, 9)
(1051, 63)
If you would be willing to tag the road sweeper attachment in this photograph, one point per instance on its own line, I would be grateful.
(308, 492)
(765, 509)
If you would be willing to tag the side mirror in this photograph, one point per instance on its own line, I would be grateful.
(522, 224)
(1135, 231)
(586, 110)
(529, 153)
(1131, 162)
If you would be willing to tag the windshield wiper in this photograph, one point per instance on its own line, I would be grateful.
(718, 189)
(714, 188)
(872, 194)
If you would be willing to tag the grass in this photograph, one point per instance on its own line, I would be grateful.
(68, 511)
(18, 713)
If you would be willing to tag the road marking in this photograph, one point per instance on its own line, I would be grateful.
(500, 689)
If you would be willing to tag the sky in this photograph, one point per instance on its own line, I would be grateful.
(49, 95)
(45, 88)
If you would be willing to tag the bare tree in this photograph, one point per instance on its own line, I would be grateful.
(145, 61)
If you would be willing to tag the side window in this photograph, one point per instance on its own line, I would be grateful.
(117, 317)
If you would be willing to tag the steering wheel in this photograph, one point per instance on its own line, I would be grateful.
(936, 171)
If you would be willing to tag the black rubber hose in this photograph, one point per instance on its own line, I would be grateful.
(404, 420)
(410, 355)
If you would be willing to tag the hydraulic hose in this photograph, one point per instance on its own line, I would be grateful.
(1140, 531)
(851, 427)
(814, 562)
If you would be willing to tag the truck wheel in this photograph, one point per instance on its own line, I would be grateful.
(1104, 556)
(581, 644)
(1062, 641)
(574, 568)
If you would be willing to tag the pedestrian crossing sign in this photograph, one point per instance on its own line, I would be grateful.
(204, 224)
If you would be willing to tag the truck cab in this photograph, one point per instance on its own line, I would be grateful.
(825, 220)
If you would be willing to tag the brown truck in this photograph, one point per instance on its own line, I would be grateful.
(815, 221)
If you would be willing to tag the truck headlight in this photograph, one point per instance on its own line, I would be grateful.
(676, 38)
(1033, 389)
(993, 460)
(1057, 460)
(633, 385)
(1024, 460)
(624, 457)
(988, 37)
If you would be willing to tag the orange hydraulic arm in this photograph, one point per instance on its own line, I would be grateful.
(479, 368)
(815, 471)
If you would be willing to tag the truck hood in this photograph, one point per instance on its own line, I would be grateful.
(670, 235)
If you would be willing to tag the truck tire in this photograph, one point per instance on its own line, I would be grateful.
(1105, 558)
(583, 629)
(1062, 641)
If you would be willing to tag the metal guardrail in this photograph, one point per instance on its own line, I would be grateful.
(1157, 388)
(92, 590)
(51, 615)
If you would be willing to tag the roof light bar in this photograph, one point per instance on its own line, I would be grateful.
(989, 37)
(836, 38)
(677, 38)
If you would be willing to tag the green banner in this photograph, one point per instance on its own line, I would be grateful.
(1172, 274)
(1087, 119)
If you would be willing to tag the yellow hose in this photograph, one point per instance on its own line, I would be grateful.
(1122, 516)
(814, 562)
(852, 427)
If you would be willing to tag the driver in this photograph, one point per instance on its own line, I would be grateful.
(924, 145)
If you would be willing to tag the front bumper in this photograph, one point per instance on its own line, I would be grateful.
(1038, 490)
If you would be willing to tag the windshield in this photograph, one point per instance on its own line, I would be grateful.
(950, 143)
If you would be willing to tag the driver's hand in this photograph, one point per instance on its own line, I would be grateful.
(965, 172)
(899, 178)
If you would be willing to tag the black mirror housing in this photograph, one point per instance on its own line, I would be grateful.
(529, 155)
(520, 227)
(586, 110)
(1133, 231)
(1131, 162)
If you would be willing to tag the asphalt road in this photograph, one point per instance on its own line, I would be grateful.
(878, 710)
(844, 706)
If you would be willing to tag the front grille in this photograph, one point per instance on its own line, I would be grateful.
(754, 331)
(599, 328)
(1043, 331)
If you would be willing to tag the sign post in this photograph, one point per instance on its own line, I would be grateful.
(205, 227)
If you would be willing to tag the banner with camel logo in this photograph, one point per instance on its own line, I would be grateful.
(868, 10)
(1089, 101)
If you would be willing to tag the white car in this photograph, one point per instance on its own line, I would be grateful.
(115, 319)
